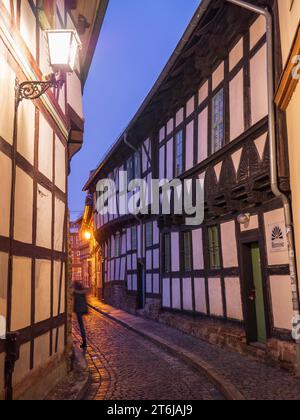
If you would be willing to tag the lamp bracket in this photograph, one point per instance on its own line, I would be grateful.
(35, 89)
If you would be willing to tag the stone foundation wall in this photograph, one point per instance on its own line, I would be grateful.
(277, 352)
(118, 297)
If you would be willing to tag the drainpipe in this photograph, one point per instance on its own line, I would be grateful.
(274, 175)
(125, 139)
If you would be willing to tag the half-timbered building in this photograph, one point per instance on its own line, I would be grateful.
(37, 140)
(226, 280)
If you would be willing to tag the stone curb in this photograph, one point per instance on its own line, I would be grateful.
(227, 388)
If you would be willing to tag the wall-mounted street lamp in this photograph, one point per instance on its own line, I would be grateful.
(63, 48)
(87, 235)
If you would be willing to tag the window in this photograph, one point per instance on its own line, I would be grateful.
(134, 167)
(187, 252)
(134, 243)
(167, 253)
(149, 235)
(214, 248)
(179, 154)
(109, 248)
(137, 166)
(130, 169)
(218, 121)
(117, 245)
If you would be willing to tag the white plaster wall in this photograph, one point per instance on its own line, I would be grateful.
(253, 224)
(28, 26)
(23, 207)
(189, 160)
(44, 217)
(75, 93)
(45, 148)
(156, 286)
(162, 162)
(60, 165)
(198, 249)
(200, 295)
(228, 236)
(233, 298)
(162, 133)
(166, 294)
(218, 76)
(134, 283)
(179, 117)
(259, 85)
(42, 290)
(236, 92)
(236, 54)
(170, 172)
(26, 130)
(3, 282)
(149, 283)
(7, 86)
(203, 92)
(7, 5)
(176, 294)
(281, 301)
(156, 259)
(44, 55)
(257, 31)
(61, 340)
(187, 294)
(271, 220)
(21, 302)
(22, 366)
(190, 106)
(59, 224)
(5, 188)
(41, 350)
(215, 296)
(58, 268)
(170, 126)
(202, 135)
(175, 251)
(236, 159)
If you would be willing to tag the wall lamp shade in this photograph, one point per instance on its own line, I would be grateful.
(63, 49)
(88, 235)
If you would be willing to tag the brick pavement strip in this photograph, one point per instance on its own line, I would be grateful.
(126, 366)
(238, 377)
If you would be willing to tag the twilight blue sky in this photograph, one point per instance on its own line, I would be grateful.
(137, 39)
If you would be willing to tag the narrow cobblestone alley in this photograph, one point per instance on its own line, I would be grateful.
(125, 366)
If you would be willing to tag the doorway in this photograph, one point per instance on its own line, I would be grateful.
(254, 295)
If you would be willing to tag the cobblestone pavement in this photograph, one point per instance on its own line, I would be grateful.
(253, 378)
(124, 366)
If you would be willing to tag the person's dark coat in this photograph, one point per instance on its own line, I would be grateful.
(80, 302)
